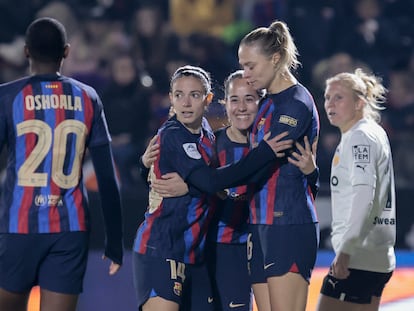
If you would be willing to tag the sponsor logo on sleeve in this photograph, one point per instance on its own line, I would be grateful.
(288, 120)
(361, 153)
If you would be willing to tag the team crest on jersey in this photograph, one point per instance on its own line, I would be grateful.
(178, 288)
(261, 123)
(335, 160)
(361, 153)
(192, 151)
(288, 120)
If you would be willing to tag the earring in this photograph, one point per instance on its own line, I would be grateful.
(171, 112)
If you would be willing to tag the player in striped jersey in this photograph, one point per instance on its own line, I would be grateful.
(47, 122)
(226, 254)
(283, 222)
(284, 232)
(226, 250)
(169, 267)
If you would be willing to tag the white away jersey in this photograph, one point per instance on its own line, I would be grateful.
(366, 231)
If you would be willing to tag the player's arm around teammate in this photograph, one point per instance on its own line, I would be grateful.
(231, 288)
(169, 272)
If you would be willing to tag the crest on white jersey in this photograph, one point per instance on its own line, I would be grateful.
(192, 151)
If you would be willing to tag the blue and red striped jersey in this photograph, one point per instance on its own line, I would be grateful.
(229, 224)
(286, 196)
(47, 123)
(176, 227)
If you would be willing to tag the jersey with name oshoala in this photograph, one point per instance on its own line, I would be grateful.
(47, 121)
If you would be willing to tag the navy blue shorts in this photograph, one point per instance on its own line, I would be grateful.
(279, 249)
(358, 287)
(227, 264)
(185, 284)
(54, 261)
(255, 260)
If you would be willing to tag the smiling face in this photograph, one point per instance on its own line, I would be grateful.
(259, 69)
(241, 104)
(342, 106)
(189, 100)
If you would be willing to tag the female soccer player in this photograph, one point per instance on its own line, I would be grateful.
(47, 121)
(227, 236)
(283, 222)
(362, 194)
(226, 255)
(169, 271)
(169, 243)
